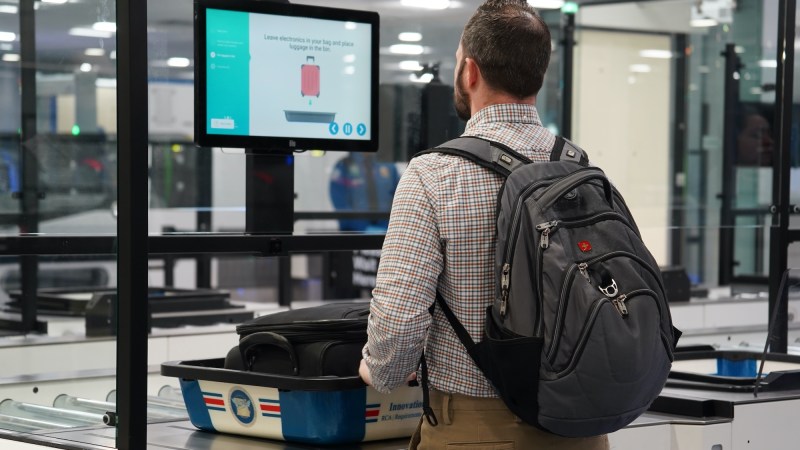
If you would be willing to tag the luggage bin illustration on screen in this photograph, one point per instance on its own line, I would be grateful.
(309, 78)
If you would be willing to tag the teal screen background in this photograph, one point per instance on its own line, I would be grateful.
(227, 70)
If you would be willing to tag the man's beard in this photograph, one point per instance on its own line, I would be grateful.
(461, 98)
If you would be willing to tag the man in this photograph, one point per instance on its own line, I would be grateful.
(440, 237)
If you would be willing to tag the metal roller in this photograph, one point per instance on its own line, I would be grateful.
(32, 411)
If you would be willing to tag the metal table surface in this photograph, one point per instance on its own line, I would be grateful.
(180, 435)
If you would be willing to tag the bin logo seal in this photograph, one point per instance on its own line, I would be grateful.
(242, 407)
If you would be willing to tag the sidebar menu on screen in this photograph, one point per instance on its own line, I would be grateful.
(227, 72)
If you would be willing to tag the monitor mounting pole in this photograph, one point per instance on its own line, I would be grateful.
(269, 204)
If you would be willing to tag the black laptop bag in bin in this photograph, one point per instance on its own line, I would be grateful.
(324, 340)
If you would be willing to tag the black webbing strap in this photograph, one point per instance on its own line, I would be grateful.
(427, 411)
(502, 159)
(491, 155)
(565, 150)
(461, 332)
(463, 336)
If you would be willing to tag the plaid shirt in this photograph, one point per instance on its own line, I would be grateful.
(441, 236)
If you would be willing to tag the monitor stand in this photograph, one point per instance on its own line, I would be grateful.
(269, 192)
(269, 204)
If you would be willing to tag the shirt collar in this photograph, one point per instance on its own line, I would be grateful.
(507, 112)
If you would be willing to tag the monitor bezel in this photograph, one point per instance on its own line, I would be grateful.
(280, 143)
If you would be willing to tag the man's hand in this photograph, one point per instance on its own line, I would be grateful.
(363, 372)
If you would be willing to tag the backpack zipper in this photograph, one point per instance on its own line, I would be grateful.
(513, 229)
(546, 228)
(591, 318)
(568, 279)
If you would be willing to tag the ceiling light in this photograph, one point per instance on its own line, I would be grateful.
(85, 67)
(349, 70)
(703, 23)
(409, 36)
(111, 27)
(349, 59)
(94, 52)
(9, 9)
(546, 4)
(654, 53)
(427, 4)
(640, 68)
(11, 57)
(7, 36)
(113, 54)
(350, 25)
(178, 62)
(55, 2)
(410, 65)
(406, 49)
(768, 63)
(89, 32)
(425, 78)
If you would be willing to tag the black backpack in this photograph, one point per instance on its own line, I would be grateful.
(579, 340)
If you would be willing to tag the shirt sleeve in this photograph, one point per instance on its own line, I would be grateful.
(410, 264)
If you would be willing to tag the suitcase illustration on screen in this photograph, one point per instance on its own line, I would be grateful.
(309, 78)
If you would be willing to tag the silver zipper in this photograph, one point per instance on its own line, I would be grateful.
(583, 268)
(619, 302)
(504, 283)
(517, 213)
(546, 228)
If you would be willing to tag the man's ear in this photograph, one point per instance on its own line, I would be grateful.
(472, 72)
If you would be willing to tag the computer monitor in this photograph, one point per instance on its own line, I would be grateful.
(278, 76)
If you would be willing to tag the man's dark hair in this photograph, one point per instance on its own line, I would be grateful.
(511, 44)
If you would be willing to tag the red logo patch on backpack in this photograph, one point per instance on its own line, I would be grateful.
(585, 246)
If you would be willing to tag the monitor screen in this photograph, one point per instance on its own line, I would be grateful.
(279, 76)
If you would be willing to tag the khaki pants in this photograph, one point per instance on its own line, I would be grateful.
(473, 423)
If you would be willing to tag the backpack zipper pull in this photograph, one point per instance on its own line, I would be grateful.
(504, 283)
(546, 228)
(583, 269)
(619, 302)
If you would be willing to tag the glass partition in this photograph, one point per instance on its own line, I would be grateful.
(58, 190)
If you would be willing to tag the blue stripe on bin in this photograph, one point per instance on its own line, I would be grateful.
(195, 405)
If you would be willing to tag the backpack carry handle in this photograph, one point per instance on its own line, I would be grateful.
(574, 180)
(249, 344)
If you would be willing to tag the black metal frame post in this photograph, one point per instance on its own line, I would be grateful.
(679, 150)
(132, 236)
(727, 219)
(203, 165)
(568, 43)
(780, 236)
(29, 196)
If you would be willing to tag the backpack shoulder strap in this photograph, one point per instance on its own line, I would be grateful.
(491, 155)
(565, 150)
